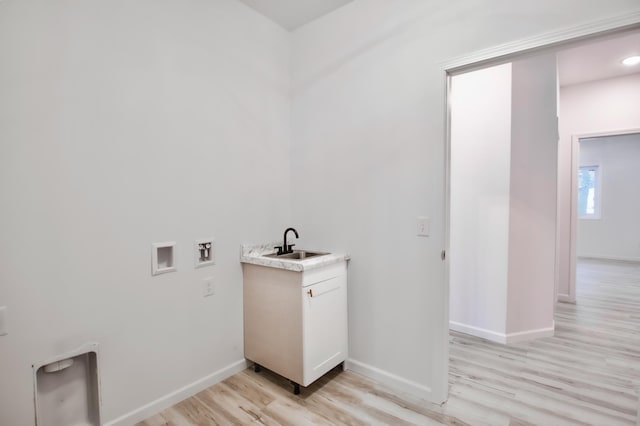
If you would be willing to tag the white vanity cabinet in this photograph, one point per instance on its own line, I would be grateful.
(295, 322)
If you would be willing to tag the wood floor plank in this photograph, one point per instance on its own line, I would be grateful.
(588, 373)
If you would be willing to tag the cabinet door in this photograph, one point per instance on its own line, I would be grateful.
(325, 326)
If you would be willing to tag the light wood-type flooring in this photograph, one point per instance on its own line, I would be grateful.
(588, 373)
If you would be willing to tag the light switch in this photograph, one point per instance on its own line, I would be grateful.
(3, 321)
(423, 223)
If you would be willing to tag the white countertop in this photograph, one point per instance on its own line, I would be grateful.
(255, 255)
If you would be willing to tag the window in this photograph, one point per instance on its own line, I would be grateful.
(589, 192)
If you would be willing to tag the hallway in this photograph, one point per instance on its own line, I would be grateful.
(587, 373)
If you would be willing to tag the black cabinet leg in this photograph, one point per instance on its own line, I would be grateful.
(257, 368)
(296, 389)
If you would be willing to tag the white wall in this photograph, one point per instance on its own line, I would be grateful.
(480, 174)
(367, 158)
(616, 234)
(596, 107)
(532, 211)
(503, 165)
(122, 124)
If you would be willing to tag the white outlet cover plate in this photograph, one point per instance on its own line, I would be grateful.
(423, 223)
(208, 287)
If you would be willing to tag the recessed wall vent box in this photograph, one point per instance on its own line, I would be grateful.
(163, 258)
(67, 389)
(204, 252)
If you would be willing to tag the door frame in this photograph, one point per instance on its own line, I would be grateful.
(548, 42)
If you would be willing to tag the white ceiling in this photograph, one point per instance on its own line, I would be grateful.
(599, 60)
(291, 14)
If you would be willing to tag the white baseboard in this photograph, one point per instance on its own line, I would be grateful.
(608, 257)
(154, 407)
(389, 379)
(478, 332)
(523, 336)
(504, 338)
(565, 298)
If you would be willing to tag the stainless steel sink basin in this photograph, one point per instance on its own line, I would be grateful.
(297, 255)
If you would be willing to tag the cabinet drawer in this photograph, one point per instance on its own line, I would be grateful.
(315, 276)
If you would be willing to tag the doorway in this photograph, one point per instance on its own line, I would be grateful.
(554, 168)
(482, 63)
(605, 204)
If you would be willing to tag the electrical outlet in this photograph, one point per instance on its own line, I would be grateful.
(423, 223)
(208, 288)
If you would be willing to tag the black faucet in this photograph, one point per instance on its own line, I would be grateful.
(286, 248)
